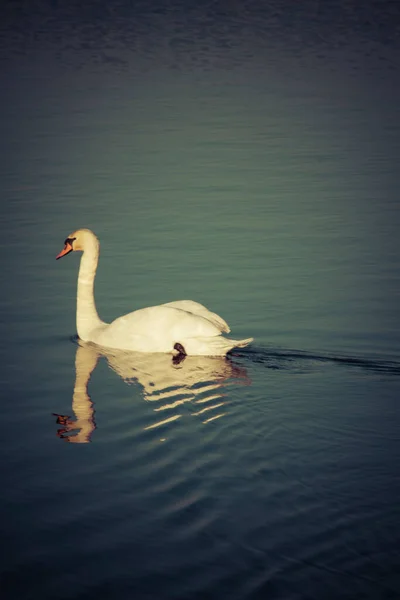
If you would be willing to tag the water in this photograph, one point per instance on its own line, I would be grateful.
(246, 159)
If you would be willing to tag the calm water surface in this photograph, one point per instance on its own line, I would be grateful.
(235, 158)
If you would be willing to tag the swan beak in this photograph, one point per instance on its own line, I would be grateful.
(66, 250)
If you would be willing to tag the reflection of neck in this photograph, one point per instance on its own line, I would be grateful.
(87, 318)
(85, 362)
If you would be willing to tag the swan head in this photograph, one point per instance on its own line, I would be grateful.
(80, 239)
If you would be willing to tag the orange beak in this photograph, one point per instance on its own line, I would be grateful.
(66, 250)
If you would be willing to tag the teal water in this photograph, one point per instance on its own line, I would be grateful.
(256, 174)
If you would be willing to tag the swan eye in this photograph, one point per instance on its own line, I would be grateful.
(69, 241)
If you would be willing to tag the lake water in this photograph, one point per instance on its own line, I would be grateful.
(245, 158)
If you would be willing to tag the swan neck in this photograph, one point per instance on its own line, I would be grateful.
(87, 318)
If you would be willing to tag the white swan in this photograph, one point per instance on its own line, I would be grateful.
(182, 327)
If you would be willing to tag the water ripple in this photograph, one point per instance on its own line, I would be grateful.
(295, 360)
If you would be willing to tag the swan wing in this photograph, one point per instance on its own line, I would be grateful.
(195, 308)
(155, 329)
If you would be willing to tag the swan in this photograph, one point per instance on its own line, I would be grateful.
(181, 328)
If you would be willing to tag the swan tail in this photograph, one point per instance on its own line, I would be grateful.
(242, 343)
(212, 346)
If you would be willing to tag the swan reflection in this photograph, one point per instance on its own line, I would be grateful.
(167, 382)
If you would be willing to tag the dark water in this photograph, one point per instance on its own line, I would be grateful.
(244, 156)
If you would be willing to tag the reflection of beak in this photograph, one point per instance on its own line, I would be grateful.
(67, 249)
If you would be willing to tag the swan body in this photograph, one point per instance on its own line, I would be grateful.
(177, 327)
